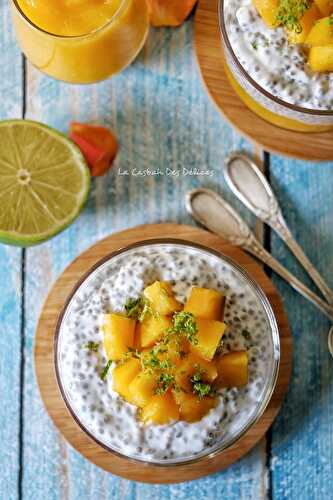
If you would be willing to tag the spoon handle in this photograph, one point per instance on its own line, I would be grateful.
(254, 247)
(214, 213)
(284, 232)
(249, 184)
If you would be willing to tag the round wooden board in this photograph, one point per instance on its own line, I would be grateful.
(45, 371)
(317, 147)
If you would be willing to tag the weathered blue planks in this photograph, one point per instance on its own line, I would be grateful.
(163, 119)
(302, 446)
(10, 282)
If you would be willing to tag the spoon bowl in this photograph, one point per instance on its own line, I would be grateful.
(330, 341)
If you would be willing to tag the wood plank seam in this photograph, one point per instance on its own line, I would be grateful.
(267, 244)
(23, 316)
(263, 233)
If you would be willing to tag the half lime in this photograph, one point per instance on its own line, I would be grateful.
(44, 182)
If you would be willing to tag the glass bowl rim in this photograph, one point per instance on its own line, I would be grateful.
(26, 19)
(259, 88)
(274, 333)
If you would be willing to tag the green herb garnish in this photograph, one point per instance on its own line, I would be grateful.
(184, 323)
(131, 353)
(151, 360)
(105, 370)
(201, 388)
(137, 308)
(92, 346)
(290, 13)
(254, 44)
(330, 20)
(164, 381)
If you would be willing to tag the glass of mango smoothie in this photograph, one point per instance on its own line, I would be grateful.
(278, 57)
(80, 41)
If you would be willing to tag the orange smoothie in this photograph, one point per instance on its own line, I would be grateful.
(80, 41)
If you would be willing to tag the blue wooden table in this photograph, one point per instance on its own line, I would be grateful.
(163, 118)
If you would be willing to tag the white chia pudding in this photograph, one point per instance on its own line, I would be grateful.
(272, 62)
(113, 421)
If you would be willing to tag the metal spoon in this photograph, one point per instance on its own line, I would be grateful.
(213, 212)
(330, 341)
(249, 184)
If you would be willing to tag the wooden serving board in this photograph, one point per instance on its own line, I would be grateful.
(45, 371)
(208, 45)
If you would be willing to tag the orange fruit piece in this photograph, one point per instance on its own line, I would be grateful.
(98, 145)
(170, 12)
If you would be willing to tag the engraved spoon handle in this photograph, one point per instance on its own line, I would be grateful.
(248, 183)
(259, 251)
(213, 212)
(286, 236)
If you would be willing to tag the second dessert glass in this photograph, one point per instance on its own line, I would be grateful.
(263, 103)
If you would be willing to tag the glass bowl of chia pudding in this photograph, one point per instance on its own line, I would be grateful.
(110, 420)
(270, 75)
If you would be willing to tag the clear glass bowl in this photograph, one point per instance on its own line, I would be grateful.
(262, 102)
(100, 412)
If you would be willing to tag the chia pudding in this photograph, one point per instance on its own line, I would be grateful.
(275, 65)
(111, 420)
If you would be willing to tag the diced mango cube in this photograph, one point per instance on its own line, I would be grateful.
(307, 22)
(321, 33)
(161, 298)
(173, 352)
(205, 303)
(232, 369)
(123, 375)
(208, 337)
(152, 328)
(160, 410)
(176, 350)
(191, 408)
(267, 9)
(118, 334)
(142, 389)
(325, 7)
(189, 366)
(137, 337)
(321, 58)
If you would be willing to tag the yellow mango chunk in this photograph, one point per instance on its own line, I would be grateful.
(267, 9)
(137, 337)
(123, 375)
(191, 408)
(321, 33)
(160, 410)
(176, 350)
(142, 389)
(232, 369)
(324, 6)
(118, 334)
(307, 22)
(208, 336)
(161, 298)
(152, 328)
(321, 58)
(205, 303)
(189, 366)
